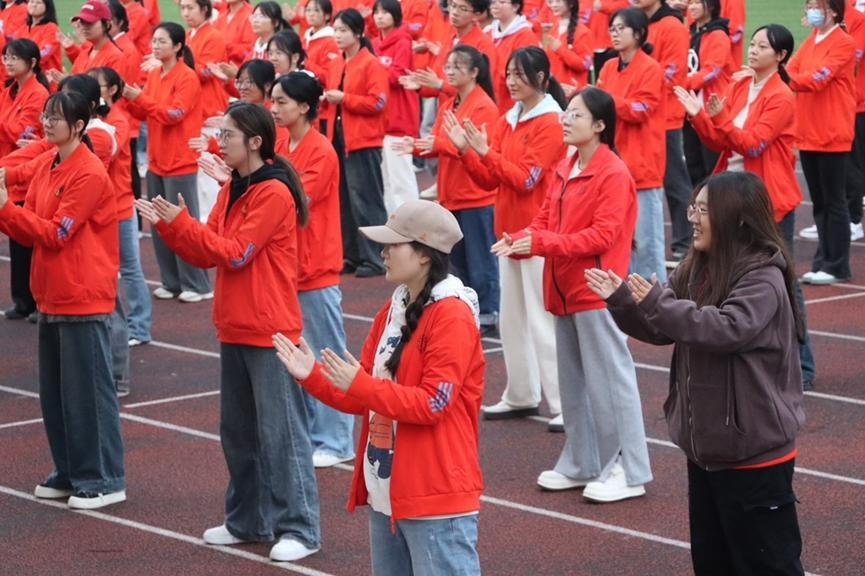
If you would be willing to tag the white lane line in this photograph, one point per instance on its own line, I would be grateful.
(165, 533)
(799, 469)
(187, 349)
(492, 350)
(834, 298)
(840, 336)
(19, 392)
(172, 399)
(20, 423)
(169, 426)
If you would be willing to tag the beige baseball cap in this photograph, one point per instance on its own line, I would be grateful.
(418, 221)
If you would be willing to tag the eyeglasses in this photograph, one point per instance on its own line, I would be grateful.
(616, 30)
(50, 120)
(694, 209)
(225, 135)
(461, 8)
(243, 83)
(570, 115)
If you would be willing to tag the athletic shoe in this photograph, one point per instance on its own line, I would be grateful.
(220, 536)
(191, 297)
(133, 342)
(431, 193)
(94, 500)
(51, 493)
(856, 232)
(326, 459)
(614, 488)
(504, 411)
(552, 480)
(34, 317)
(557, 424)
(289, 550)
(14, 314)
(122, 389)
(820, 278)
(809, 233)
(164, 294)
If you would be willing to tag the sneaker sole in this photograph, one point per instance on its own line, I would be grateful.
(96, 503)
(48, 493)
(293, 557)
(510, 414)
(606, 498)
(561, 487)
(329, 464)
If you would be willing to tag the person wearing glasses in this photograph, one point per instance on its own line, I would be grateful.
(735, 397)
(510, 31)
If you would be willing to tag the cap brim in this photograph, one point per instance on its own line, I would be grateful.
(88, 18)
(383, 235)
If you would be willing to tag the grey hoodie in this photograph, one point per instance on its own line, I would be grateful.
(735, 379)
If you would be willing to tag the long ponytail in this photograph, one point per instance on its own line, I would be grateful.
(178, 36)
(27, 50)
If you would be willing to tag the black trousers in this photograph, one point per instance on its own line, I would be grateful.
(136, 177)
(700, 160)
(825, 174)
(856, 171)
(744, 522)
(19, 276)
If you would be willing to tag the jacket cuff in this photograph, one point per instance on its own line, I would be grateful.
(361, 387)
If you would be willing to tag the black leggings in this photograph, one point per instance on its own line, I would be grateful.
(825, 174)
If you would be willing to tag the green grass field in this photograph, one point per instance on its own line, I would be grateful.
(786, 12)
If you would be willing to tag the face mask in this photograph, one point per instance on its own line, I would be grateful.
(816, 17)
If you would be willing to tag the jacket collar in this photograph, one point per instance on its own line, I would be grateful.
(600, 158)
(546, 106)
(518, 24)
(325, 32)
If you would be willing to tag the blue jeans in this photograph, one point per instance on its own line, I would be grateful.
(118, 333)
(474, 264)
(137, 294)
(79, 406)
(330, 430)
(271, 487)
(447, 547)
(806, 355)
(647, 257)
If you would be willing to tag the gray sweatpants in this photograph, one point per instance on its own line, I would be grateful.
(600, 400)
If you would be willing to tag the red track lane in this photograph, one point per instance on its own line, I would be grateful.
(177, 478)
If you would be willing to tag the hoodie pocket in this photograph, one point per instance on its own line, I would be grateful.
(715, 421)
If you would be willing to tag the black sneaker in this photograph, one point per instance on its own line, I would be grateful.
(368, 271)
(33, 318)
(807, 385)
(93, 500)
(490, 331)
(14, 314)
(348, 267)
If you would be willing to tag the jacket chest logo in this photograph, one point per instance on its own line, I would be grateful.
(58, 192)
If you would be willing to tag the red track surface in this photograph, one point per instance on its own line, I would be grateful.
(176, 474)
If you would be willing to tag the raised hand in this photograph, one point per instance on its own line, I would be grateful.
(299, 361)
(602, 283)
(640, 287)
(166, 211)
(455, 132)
(404, 146)
(503, 247)
(689, 100)
(716, 105)
(339, 372)
(145, 209)
(215, 167)
(477, 138)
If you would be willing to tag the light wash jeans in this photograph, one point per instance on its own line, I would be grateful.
(330, 430)
(138, 301)
(79, 405)
(271, 489)
(648, 257)
(447, 547)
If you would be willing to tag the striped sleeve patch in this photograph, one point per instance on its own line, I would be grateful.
(822, 74)
(639, 108)
(754, 152)
(670, 71)
(247, 254)
(380, 103)
(442, 397)
(716, 71)
(65, 228)
(534, 176)
(176, 113)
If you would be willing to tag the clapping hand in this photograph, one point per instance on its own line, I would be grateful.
(298, 360)
(340, 372)
(602, 283)
(455, 132)
(477, 138)
(640, 287)
(507, 246)
(689, 100)
(715, 105)
(215, 167)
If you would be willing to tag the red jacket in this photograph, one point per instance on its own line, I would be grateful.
(822, 75)
(140, 30)
(435, 398)
(20, 114)
(131, 72)
(320, 241)
(520, 163)
(85, 59)
(45, 36)
(518, 35)
(586, 222)
(152, 9)
(571, 63)
(855, 21)
(321, 52)
(474, 38)
(670, 37)
(254, 250)
(712, 68)
(640, 126)
(14, 20)
(208, 46)
(765, 141)
(599, 21)
(734, 11)
(70, 219)
(237, 32)
(171, 106)
(403, 110)
(414, 16)
(437, 30)
(456, 188)
(364, 106)
(120, 169)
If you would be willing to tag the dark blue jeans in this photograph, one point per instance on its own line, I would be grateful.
(473, 263)
(263, 426)
(79, 405)
(806, 356)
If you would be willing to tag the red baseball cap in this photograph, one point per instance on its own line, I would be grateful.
(93, 11)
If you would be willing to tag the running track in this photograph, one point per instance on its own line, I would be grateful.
(177, 476)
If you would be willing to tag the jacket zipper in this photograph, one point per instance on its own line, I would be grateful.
(688, 391)
(553, 258)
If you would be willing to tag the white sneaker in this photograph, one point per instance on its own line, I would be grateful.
(88, 501)
(431, 193)
(133, 342)
(220, 536)
(49, 493)
(614, 488)
(504, 411)
(809, 233)
(326, 459)
(556, 424)
(164, 294)
(856, 232)
(192, 297)
(552, 480)
(820, 278)
(288, 550)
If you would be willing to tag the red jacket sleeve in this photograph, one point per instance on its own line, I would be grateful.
(447, 359)
(31, 109)
(777, 115)
(580, 56)
(375, 99)
(78, 202)
(524, 173)
(643, 102)
(710, 136)
(211, 51)
(804, 78)
(197, 243)
(181, 102)
(400, 64)
(477, 167)
(714, 56)
(616, 194)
